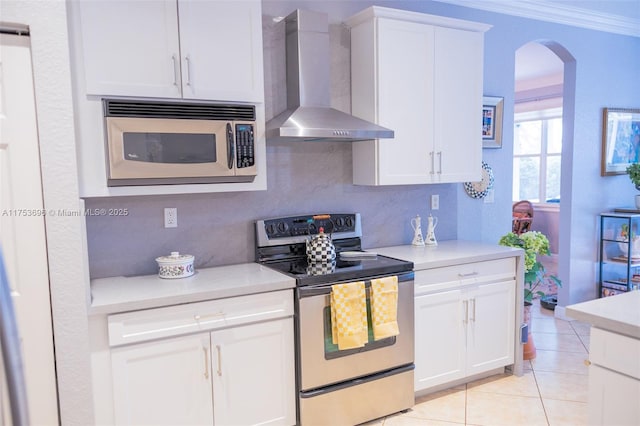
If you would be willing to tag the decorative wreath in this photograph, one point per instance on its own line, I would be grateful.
(481, 189)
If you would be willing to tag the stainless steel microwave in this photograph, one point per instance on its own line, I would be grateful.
(157, 143)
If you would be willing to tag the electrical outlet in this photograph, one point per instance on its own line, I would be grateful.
(435, 202)
(489, 197)
(170, 217)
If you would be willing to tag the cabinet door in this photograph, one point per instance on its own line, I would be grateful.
(429, 92)
(405, 101)
(221, 45)
(165, 382)
(130, 47)
(458, 105)
(253, 374)
(439, 339)
(613, 398)
(491, 322)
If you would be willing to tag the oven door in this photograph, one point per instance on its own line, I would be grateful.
(321, 363)
(145, 151)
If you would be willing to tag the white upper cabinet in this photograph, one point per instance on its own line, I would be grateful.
(457, 104)
(165, 49)
(172, 49)
(130, 48)
(421, 76)
(221, 45)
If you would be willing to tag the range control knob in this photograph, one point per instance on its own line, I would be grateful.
(349, 221)
(282, 227)
(340, 222)
(271, 229)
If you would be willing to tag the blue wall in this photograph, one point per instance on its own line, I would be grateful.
(310, 178)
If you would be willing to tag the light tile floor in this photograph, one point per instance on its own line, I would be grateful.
(552, 391)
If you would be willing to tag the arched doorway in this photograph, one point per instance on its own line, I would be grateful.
(544, 106)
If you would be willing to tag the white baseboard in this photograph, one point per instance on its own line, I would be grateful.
(560, 312)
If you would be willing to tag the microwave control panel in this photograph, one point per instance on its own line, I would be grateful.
(244, 146)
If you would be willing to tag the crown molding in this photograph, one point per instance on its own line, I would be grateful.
(544, 10)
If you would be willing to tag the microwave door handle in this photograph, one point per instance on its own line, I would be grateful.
(230, 146)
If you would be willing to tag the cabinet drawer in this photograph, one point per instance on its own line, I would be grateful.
(615, 352)
(428, 280)
(140, 326)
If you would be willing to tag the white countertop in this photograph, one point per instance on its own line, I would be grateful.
(619, 313)
(120, 294)
(448, 253)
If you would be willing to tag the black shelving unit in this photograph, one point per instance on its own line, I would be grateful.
(619, 253)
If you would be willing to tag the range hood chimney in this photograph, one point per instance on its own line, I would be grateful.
(309, 116)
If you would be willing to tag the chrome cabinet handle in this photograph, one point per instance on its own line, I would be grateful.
(473, 309)
(219, 360)
(188, 64)
(206, 362)
(470, 274)
(433, 163)
(466, 311)
(440, 162)
(175, 72)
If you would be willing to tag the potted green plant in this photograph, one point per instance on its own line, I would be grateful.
(533, 243)
(634, 176)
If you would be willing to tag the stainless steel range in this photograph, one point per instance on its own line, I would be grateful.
(341, 386)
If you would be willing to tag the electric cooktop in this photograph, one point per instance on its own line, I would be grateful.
(281, 245)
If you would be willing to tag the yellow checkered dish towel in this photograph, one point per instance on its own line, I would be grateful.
(384, 307)
(349, 315)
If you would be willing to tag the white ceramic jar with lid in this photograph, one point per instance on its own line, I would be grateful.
(175, 265)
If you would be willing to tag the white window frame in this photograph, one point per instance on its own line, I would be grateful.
(544, 116)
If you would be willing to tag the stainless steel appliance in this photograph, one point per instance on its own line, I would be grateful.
(309, 116)
(340, 387)
(155, 143)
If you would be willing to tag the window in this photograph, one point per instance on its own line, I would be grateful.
(537, 156)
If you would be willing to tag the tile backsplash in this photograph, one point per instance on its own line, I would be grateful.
(218, 229)
(302, 178)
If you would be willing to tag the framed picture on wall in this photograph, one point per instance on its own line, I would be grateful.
(620, 140)
(492, 121)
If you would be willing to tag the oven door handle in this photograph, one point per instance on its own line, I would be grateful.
(319, 290)
(325, 289)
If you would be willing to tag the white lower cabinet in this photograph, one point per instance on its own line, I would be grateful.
(464, 321)
(163, 383)
(233, 375)
(440, 351)
(614, 379)
(613, 398)
(490, 337)
(253, 374)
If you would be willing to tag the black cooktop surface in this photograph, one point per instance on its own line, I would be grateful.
(281, 245)
(341, 270)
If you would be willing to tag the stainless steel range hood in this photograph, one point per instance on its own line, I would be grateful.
(309, 116)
